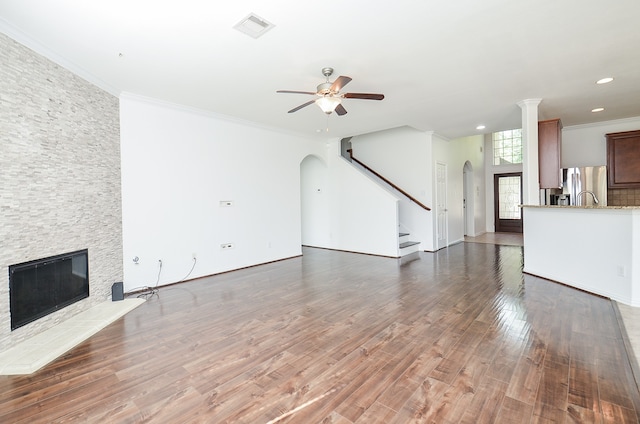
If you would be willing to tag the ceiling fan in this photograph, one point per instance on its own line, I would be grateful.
(329, 98)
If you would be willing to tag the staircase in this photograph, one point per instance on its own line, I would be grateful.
(405, 246)
(408, 250)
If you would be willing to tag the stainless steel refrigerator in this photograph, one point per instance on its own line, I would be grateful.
(585, 186)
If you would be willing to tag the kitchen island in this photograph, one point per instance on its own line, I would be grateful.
(596, 249)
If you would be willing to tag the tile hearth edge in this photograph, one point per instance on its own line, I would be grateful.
(32, 354)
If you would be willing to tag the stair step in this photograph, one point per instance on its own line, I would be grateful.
(408, 244)
(403, 234)
(413, 256)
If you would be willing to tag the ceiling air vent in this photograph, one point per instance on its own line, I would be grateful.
(253, 25)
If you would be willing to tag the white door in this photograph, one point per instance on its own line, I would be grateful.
(468, 206)
(441, 205)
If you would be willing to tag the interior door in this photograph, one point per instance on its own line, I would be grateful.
(507, 195)
(468, 200)
(441, 205)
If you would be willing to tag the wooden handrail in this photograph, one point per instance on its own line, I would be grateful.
(410, 197)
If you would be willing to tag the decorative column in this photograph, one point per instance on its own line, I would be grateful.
(530, 184)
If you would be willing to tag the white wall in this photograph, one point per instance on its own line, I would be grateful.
(400, 155)
(177, 165)
(586, 145)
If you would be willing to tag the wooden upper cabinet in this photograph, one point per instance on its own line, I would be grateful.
(549, 153)
(623, 159)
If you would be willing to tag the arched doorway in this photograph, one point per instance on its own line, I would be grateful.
(468, 205)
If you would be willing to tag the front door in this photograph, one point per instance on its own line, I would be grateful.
(507, 194)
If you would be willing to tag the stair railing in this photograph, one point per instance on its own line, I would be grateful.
(410, 197)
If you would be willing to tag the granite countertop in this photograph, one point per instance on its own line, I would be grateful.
(578, 207)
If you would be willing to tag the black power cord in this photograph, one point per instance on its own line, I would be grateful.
(148, 291)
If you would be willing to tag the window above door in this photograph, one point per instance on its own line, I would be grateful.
(507, 147)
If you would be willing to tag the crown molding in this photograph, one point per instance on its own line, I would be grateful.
(21, 37)
(630, 120)
(208, 114)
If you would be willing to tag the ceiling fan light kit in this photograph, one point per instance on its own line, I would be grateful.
(330, 98)
(328, 104)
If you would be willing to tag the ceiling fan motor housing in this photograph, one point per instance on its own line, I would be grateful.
(324, 88)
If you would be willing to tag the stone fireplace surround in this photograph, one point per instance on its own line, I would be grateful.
(60, 173)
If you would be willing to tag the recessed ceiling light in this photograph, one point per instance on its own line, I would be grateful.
(480, 127)
(604, 80)
(598, 109)
(253, 25)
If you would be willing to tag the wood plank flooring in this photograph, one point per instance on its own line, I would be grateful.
(457, 336)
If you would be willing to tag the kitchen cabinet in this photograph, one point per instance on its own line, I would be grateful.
(623, 159)
(549, 153)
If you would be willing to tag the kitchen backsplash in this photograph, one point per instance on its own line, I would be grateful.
(623, 197)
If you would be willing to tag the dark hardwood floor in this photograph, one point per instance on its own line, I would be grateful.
(459, 336)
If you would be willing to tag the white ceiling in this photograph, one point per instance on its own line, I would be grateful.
(445, 66)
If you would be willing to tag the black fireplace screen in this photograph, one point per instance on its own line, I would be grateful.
(38, 288)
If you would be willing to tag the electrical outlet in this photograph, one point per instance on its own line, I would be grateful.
(622, 271)
(225, 246)
(226, 203)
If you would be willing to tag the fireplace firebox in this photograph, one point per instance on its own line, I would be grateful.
(38, 288)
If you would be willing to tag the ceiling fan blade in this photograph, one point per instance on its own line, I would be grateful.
(339, 83)
(295, 92)
(366, 96)
(295, 109)
(340, 110)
